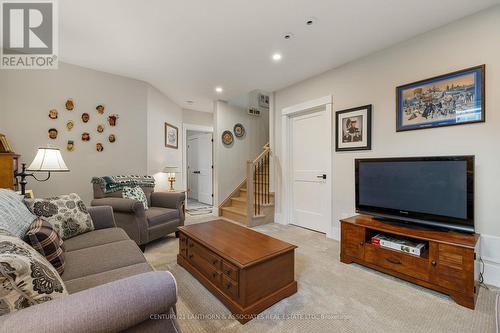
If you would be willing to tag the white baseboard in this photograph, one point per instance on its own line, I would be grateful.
(335, 233)
(490, 253)
(277, 218)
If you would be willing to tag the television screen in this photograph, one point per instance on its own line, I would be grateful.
(436, 189)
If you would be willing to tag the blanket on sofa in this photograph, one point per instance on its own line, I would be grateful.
(111, 184)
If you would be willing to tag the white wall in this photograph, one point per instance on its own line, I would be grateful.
(27, 96)
(372, 80)
(197, 118)
(231, 161)
(161, 110)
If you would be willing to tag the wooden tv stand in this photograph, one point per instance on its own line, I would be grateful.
(447, 265)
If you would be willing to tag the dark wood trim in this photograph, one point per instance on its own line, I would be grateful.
(483, 99)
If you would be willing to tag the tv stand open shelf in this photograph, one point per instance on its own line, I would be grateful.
(447, 265)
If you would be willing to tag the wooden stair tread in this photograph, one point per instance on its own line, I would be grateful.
(234, 210)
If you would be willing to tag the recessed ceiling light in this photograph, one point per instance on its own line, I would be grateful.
(311, 21)
(219, 89)
(288, 36)
(277, 57)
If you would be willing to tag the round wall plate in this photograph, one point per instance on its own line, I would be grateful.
(239, 130)
(227, 138)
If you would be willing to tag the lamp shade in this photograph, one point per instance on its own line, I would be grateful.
(48, 160)
(170, 169)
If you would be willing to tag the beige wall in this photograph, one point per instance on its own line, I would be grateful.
(372, 80)
(197, 118)
(162, 110)
(231, 161)
(27, 96)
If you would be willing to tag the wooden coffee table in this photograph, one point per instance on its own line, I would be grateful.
(246, 270)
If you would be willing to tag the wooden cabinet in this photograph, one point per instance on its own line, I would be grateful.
(8, 165)
(446, 265)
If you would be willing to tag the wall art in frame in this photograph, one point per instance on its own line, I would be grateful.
(452, 99)
(171, 136)
(353, 129)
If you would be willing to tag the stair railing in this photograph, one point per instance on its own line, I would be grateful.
(258, 182)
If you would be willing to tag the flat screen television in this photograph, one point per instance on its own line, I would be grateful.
(432, 191)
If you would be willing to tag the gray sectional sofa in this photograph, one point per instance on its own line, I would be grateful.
(112, 288)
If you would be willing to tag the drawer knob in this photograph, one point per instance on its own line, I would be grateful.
(361, 243)
(215, 262)
(433, 263)
(191, 256)
(228, 286)
(214, 274)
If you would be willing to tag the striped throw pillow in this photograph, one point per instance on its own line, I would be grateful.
(14, 216)
(46, 241)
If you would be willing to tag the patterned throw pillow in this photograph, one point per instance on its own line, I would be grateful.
(14, 216)
(43, 238)
(26, 278)
(67, 214)
(135, 193)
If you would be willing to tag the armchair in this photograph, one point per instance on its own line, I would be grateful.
(165, 213)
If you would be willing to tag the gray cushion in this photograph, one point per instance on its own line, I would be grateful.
(15, 217)
(157, 215)
(102, 258)
(94, 280)
(95, 238)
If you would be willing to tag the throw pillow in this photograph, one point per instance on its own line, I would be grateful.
(14, 216)
(26, 278)
(135, 193)
(67, 214)
(43, 238)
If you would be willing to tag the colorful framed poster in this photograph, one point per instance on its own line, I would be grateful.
(452, 99)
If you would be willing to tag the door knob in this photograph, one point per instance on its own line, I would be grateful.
(323, 176)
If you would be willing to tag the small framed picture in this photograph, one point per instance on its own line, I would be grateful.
(353, 129)
(452, 99)
(171, 136)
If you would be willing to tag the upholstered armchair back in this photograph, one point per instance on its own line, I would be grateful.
(99, 193)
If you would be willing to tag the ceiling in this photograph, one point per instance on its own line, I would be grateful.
(186, 48)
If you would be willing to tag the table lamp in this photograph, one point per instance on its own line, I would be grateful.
(46, 160)
(170, 171)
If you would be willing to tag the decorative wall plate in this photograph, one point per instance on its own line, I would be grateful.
(70, 125)
(99, 147)
(70, 105)
(100, 128)
(112, 119)
(70, 145)
(53, 114)
(111, 138)
(239, 130)
(227, 138)
(85, 136)
(100, 108)
(85, 117)
(53, 133)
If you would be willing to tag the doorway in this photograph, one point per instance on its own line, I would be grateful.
(199, 171)
(307, 142)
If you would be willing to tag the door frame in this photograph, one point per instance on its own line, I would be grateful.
(192, 127)
(287, 114)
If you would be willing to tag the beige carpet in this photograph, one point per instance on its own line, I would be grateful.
(350, 298)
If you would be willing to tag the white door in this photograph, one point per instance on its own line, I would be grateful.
(192, 168)
(205, 168)
(310, 157)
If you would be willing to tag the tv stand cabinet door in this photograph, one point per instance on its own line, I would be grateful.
(352, 241)
(453, 268)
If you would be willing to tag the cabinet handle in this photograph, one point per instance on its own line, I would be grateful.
(433, 263)
(361, 243)
(393, 261)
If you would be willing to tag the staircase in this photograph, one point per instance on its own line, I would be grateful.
(251, 203)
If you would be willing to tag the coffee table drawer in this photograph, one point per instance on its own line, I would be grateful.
(205, 268)
(230, 287)
(210, 257)
(230, 270)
